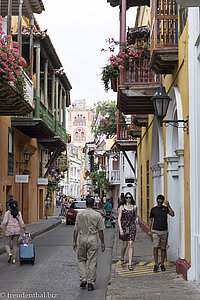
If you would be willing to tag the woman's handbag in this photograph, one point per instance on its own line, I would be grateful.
(26, 239)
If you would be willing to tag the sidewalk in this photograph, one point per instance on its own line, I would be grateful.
(142, 283)
(36, 228)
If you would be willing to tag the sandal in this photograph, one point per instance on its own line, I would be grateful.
(130, 267)
(123, 263)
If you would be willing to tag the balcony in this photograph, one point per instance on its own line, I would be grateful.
(164, 36)
(12, 103)
(140, 120)
(136, 88)
(114, 177)
(125, 141)
(129, 132)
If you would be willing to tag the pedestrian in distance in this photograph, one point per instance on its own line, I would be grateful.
(89, 224)
(63, 209)
(10, 198)
(127, 219)
(107, 211)
(121, 200)
(47, 205)
(159, 233)
(13, 222)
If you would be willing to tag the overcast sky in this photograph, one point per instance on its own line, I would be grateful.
(78, 30)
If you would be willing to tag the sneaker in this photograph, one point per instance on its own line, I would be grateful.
(155, 269)
(9, 257)
(13, 261)
(162, 268)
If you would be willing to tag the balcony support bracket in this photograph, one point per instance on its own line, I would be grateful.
(132, 168)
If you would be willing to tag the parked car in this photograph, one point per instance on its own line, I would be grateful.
(73, 210)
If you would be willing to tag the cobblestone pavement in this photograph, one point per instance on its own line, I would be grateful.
(142, 283)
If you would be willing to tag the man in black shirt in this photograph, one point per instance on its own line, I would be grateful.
(160, 232)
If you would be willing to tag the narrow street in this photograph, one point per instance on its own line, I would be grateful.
(55, 272)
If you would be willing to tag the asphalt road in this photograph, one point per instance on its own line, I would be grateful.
(55, 274)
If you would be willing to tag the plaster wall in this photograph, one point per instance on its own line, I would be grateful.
(30, 196)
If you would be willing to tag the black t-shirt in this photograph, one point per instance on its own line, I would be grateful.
(159, 214)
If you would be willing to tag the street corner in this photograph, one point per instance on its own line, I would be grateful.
(143, 268)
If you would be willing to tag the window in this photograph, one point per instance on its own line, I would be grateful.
(10, 151)
(75, 121)
(147, 178)
(84, 123)
(81, 120)
(78, 120)
(76, 136)
(82, 136)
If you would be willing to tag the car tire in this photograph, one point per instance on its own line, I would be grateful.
(67, 222)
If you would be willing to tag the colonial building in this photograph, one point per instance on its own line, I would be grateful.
(79, 123)
(33, 127)
(165, 159)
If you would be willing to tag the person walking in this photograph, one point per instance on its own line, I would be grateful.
(121, 200)
(127, 225)
(10, 198)
(107, 211)
(63, 209)
(158, 218)
(13, 222)
(88, 224)
(47, 205)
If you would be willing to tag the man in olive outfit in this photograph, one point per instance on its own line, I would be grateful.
(89, 224)
(160, 231)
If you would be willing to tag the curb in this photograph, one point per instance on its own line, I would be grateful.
(112, 271)
(2, 249)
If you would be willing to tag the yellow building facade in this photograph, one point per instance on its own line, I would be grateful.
(164, 154)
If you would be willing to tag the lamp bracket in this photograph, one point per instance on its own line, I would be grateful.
(175, 123)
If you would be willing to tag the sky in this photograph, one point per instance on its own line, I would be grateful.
(78, 30)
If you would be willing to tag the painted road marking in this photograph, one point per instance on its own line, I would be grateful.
(142, 268)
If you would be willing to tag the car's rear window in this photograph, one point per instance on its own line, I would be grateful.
(78, 205)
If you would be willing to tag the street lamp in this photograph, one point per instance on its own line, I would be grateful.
(27, 155)
(161, 103)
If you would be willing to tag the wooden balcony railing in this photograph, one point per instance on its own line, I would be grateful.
(164, 29)
(139, 74)
(124, 132)
(164, 20)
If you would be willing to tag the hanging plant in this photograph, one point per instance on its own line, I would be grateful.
(130, 56)
(11, 63)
